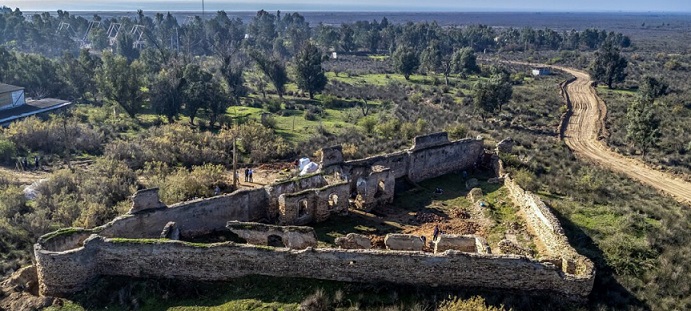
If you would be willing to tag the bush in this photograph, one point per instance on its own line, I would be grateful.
(310, 116)
(184, 184)
(176, 144)
(526, 179)
(8, 151)
(474, 303)
(272, 106)
(457, 131)
(318, 301)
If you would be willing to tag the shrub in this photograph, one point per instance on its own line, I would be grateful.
(176, 144)
(526, 179)
(457, 131)
(310, 116)
(368, 123)
(474, 303)
(318, 301)
(8, 151)
(184, 184)
(272, 106)
(389, 128)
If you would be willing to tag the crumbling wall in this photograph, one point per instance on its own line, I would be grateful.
(431, 140)
(440, 159)
(146, 199)
(224, 261)
(549, 232)
(313, 205)
(192, 217)
(294, 237)
(275, 190)
(397, 162)
(375, 189)
(331, 156)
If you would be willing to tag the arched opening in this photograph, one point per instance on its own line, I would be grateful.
(275, 241)
(381, 187)
(302, 209)
(333, 201)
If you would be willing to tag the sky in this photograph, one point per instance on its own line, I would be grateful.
(680, 6)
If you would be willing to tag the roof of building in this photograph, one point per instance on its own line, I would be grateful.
(31, 108)
(5, 88)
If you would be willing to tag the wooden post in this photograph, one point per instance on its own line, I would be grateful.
(235, 164)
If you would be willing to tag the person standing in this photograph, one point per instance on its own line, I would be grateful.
(251, 172)
(435, 234)
(247, 174)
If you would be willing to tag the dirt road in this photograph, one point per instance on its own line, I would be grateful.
(583, 131)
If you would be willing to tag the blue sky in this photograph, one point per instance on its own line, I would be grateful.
(360, 5)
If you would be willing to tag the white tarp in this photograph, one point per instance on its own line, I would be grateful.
(302, 162)
(309, 168)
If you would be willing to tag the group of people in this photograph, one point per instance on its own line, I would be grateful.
(23, 163)
(248, 174)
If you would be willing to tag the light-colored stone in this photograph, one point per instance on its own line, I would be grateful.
(463, 243)
(354, 241)
(404, 242)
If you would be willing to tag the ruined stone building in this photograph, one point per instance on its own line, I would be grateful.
(271, 219)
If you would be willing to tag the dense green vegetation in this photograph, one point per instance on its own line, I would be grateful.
(166, 115)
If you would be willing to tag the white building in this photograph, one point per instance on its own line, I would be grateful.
(11, 96)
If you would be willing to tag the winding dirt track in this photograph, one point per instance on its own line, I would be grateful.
(585, 126)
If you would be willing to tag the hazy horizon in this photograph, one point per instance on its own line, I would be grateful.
(583, 6)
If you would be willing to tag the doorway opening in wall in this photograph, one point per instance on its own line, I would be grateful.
(275, 241)
(333, 201)
(302, 209)
(381, 187)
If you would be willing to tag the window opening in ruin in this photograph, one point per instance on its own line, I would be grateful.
(302, 208)
(275, 241)
(380, 189)
(333, 201)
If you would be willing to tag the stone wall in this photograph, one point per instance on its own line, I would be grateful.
(432, 140)
(549, 231)
(67, 260)
(63, 273)
(313, 205)
(193, 218)
(443, 159)
(290, 186)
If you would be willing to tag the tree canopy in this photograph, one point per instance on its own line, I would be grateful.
(309, 73)
(608, 66)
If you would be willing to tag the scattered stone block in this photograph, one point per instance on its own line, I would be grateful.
(471, 183)
(404, 242)
(463, 243)
(475, 195)
(354, 241)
